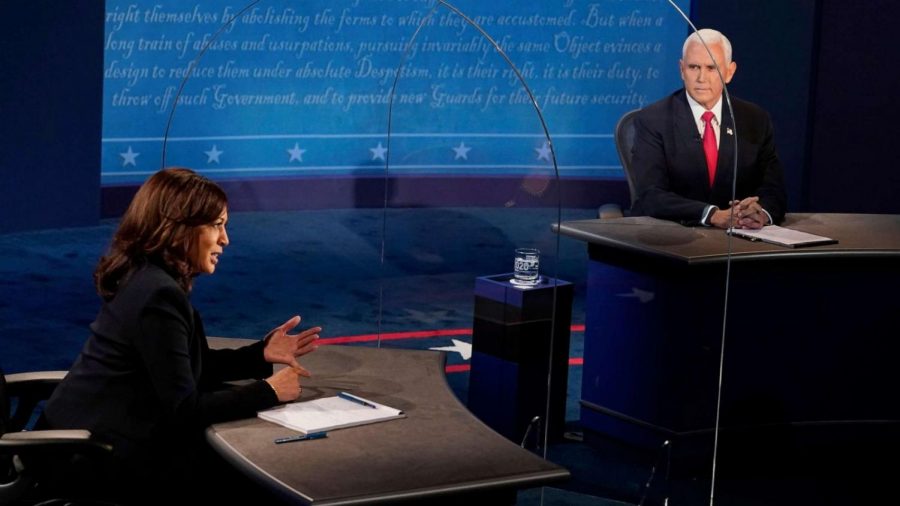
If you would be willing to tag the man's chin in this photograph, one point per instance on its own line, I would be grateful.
(703, 97)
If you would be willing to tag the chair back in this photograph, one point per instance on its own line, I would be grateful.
(624, 143)
(7, 471)
(4, 404)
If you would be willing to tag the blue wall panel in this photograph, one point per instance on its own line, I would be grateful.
(51, 89)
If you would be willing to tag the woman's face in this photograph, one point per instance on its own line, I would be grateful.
(211, 241)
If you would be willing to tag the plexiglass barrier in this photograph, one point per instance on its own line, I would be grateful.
(378, 211)
(472, 193)
(403, 154)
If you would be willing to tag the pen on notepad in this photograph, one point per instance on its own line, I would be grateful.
(353, 398)
(307, 437)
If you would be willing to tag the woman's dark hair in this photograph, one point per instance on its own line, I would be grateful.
(160, 225)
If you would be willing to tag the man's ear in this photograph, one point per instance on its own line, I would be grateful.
(730, 69)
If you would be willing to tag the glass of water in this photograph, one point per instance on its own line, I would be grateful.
(526, 267)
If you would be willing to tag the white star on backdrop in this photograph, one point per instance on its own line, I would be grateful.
(461, 151)
(463, 348)
(378, 152)
(543, 152)
(129, 157)
(296, 153)
(213, 154)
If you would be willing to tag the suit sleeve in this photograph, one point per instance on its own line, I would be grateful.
(165, 347)
(771, 192)
(654, 193)
(231, 364)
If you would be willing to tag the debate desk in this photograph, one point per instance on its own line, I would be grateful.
(811, 334)
(439, 454)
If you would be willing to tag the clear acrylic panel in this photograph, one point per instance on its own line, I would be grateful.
(452, 168)
(471, 177)
(380, 234)
(798, 415)
(265, 105)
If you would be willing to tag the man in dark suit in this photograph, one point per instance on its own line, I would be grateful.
(683, 153)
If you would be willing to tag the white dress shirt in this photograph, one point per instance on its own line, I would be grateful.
(697, 110)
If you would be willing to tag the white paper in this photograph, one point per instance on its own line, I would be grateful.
(782, 236)
(328, 413)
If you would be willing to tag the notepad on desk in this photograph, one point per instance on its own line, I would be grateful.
(782, 236)
(330, 413)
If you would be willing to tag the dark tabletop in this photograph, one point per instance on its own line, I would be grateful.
(858, 235)
(439, 448)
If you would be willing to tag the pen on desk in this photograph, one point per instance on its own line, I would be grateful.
(307, 437)
(353, 398)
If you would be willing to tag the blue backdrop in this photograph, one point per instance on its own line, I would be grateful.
(302, 88)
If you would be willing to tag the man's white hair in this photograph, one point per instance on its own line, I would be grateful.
(711, 37)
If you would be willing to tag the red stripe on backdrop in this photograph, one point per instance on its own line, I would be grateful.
(458, 368)
(418, 334)
(423, 334)
(466, 367)
(391, 336)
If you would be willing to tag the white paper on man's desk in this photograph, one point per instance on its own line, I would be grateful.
(330, 413)
(782, 236)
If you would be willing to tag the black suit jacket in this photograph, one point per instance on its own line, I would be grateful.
(669, 165)
(146, 379)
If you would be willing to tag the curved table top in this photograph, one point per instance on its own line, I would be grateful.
(858, 235)
(440, 448)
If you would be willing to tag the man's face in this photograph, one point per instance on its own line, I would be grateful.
(699, 74)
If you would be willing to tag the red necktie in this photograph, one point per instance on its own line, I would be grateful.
(709, 145)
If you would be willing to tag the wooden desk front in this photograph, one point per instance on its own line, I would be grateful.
(811, 333)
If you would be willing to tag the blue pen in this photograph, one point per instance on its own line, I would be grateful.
(307, 437)
(353, 398)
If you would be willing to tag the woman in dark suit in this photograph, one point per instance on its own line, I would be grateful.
(146, 379)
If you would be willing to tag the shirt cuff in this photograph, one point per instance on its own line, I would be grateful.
(771, 221)
(707, 214)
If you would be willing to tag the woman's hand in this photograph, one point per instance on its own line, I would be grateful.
(284, 348)
(286, 383)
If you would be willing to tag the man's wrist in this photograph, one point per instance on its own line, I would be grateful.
(706, 219)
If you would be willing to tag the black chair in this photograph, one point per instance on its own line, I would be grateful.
(624, 136)
(24, 454)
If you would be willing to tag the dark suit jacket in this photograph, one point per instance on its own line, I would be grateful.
(146, 379)
(669, 165)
